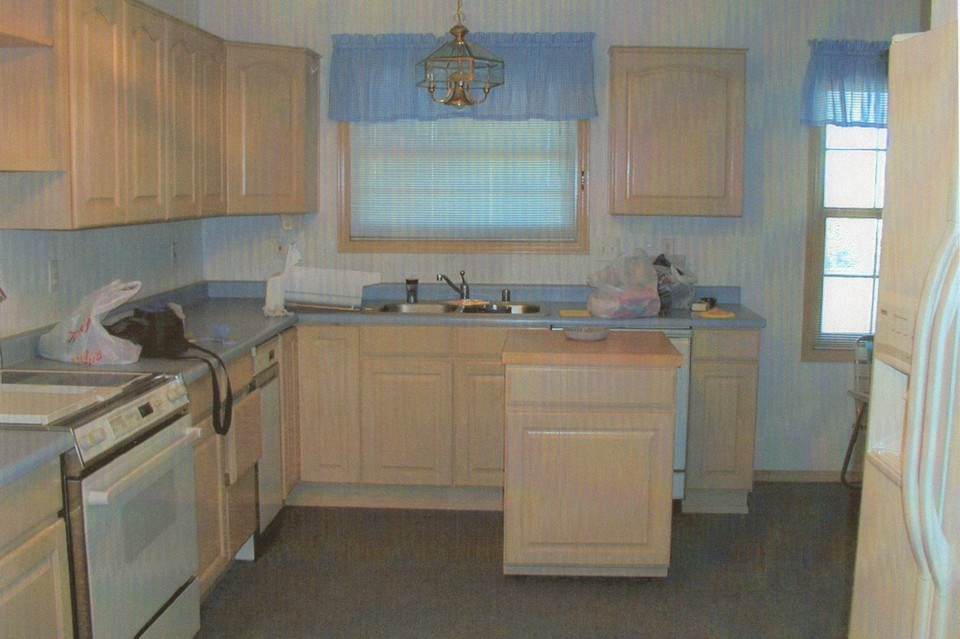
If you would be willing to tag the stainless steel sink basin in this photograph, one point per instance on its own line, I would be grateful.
(425, 308)
(511, 308)
(438, 308)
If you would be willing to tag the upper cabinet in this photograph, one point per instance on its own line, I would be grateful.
(26, 23)
(676, 131)
(98, 129)
(195, 84)
(119, 116)
(271, 120)
(33, 95)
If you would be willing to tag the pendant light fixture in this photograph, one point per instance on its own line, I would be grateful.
(454, 73)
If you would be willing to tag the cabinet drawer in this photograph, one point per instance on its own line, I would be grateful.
(406, 340)
(735, 344)
(240, 371)
(584, 386)
(29, 501)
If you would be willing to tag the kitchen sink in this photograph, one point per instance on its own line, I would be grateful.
(425, 308)
(511, 308)
(438, 308)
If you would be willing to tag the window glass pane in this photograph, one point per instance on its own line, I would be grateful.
(464, 179)
(850, 179)
(851, 246)
(853, 137)
(848, 305)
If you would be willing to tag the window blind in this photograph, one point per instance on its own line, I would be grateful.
(464, 180)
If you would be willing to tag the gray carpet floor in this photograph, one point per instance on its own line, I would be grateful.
(785, 570)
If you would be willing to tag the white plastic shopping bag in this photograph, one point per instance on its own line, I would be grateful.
(82, 339)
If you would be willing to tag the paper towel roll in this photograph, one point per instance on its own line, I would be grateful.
(274, 303)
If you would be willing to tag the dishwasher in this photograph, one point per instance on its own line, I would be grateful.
(266, 369)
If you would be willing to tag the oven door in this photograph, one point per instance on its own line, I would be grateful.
(141, 533)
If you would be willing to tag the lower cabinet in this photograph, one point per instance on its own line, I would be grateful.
(588, 474)
(225, 474)
(289, 410)
(329, 408)
(401, 405)
(722, 420)
(35, 587)
(241, 510)
(478, 422)
(211, 498)
(406, 421)
(34, 570)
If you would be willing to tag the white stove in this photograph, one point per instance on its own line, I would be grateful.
(129, 485)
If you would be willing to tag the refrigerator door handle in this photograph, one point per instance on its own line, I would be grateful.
(913, 431)
(917, 391)
(944, 346)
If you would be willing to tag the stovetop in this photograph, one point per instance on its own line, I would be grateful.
(45, 397)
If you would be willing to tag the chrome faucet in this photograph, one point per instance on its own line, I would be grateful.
(463, 290)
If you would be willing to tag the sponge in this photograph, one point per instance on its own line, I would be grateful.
(716, 313)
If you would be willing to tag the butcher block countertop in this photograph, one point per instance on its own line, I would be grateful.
(552, 348)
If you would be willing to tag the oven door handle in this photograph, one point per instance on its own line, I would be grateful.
(104, 497)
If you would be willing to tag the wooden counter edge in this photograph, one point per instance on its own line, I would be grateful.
(621, 348)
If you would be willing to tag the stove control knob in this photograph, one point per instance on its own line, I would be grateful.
(94, 437)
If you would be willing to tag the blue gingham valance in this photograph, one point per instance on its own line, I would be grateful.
(548, 76)
(846, 83)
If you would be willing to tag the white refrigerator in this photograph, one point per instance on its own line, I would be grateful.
(907, 575)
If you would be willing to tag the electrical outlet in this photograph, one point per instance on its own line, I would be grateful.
(53, 276)
(668, 246)
(609, 247)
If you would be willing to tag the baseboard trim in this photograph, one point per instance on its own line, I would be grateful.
(804, 476)
(412, 497)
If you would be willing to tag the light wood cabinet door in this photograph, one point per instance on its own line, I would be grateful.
(478, 400)
(244, 440)
(329, 389)
(183, 120)
(721, 427)
(211, 498)
(33, 96)
(587, 492)
(676, 131)
(98, 126)
(144, 43)
(723, 409)
(35, 587)
(406, 421)
(26, 23)
(213, 169)
(289, 410)
(270, 127)
(241, 511)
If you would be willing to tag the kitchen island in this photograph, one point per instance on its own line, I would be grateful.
(588, 453)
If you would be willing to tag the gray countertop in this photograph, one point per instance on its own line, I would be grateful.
(24, 450)
(21, 451)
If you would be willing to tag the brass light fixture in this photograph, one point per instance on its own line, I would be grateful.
(459, 69)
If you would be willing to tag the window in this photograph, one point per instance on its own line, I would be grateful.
(463, 185)
(843, 239)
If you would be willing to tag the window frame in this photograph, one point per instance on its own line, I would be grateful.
(347, 244)
(817, 215)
